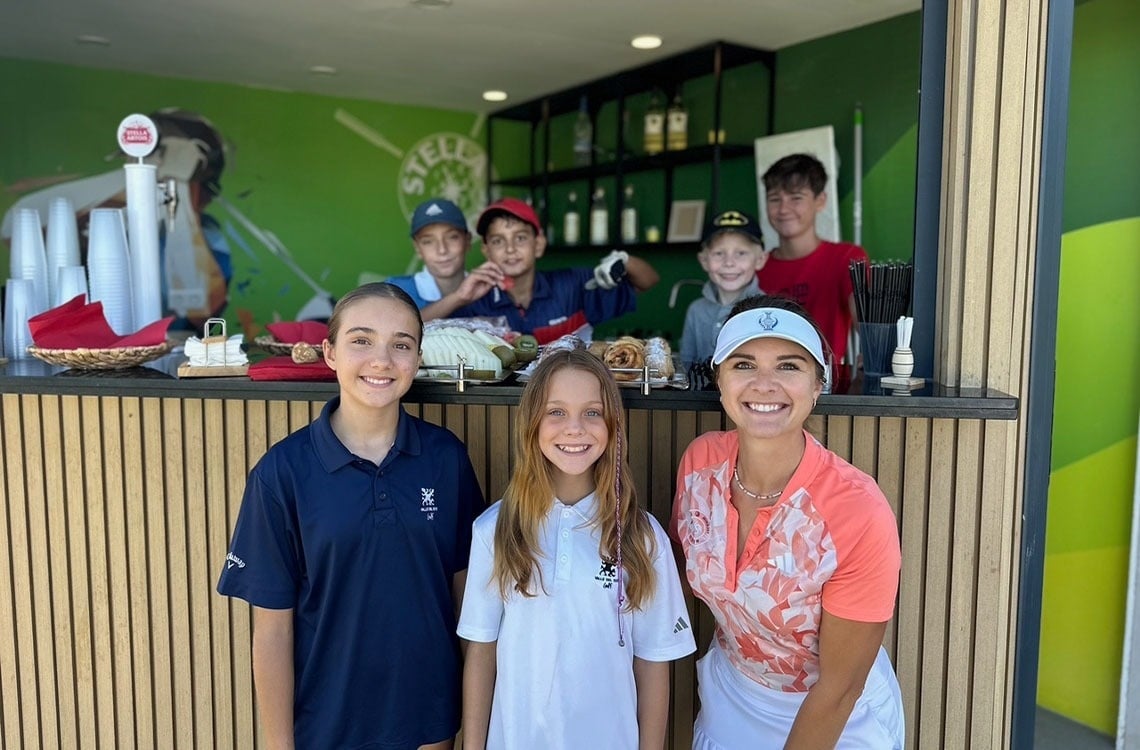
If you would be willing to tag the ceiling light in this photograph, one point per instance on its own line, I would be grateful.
(494, 96)
(95, 39)
(646, 41)
(431, 3)
(322, 70)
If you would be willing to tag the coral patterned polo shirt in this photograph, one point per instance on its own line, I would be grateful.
(830, 542)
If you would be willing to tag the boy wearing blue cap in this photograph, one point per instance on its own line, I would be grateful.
(441, 240)
(732, 252)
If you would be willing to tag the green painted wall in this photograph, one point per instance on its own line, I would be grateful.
(327, 193)
(1098, 370)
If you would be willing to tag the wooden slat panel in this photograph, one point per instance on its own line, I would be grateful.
(91, 410)
(912, 593)
(18, 696)
(220, 464)
(162, 470)
(888, 473)
(118, 556)
(241, 455)
(56, 515)
(478, 447)
(935, 619)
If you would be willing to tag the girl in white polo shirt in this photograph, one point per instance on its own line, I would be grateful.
(573, 607)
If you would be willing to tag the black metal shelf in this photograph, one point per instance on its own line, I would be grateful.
(632, 165)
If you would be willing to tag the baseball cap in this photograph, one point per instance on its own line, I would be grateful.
(733, 221)
(512, 207)
(438, 211)
(770, 322)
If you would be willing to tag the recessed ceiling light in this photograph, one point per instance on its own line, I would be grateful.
(431, 3)
(495, 96)
(322, 70)
(646, 41)
(95, 39)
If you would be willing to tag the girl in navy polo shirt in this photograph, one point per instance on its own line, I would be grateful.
(573, 607)
(352, 546)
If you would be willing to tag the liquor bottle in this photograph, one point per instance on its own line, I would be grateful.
(599, 219)
(628, 217)
(677, 125)
(571, 222)
(654, 126)
(583, 135)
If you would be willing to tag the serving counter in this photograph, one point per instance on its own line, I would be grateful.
(120, 490)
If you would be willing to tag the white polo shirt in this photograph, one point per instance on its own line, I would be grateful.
(562, 679)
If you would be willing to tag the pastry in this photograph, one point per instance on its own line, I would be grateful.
(625, 353)
(659, 357)
(598, 348)
(303, 353)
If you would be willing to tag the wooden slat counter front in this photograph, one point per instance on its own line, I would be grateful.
(119, 493)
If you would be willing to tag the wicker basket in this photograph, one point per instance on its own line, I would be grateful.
(101, 359)
(277, 348)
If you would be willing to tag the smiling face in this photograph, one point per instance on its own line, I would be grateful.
(791, 212)
(443, 249)
(375, 351)
(768, 387)
(731, 261)
(572, 433)
(513, 245)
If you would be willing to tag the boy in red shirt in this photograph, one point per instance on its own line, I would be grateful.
(811, 271)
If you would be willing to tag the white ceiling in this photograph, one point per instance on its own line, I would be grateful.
(390, 50)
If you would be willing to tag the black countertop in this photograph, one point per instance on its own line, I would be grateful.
(158, 379)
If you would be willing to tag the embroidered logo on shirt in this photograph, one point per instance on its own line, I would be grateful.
(698, 527)
(680, 625)
(607, 573)
(232, 560)
(427, 502)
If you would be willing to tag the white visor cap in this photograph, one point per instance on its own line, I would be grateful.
(770, 322)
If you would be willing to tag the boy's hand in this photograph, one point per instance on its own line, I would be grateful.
(479, 281)
(610, 271)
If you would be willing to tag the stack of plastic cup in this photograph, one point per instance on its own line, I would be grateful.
(109, 269)
(27, 259)
(62, 240)
(71, 281)
(18, 297)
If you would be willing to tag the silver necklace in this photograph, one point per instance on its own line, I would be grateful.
(750, 493)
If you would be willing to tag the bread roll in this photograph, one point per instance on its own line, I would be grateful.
(626, 352)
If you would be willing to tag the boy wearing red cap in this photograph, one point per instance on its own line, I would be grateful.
(546, 304)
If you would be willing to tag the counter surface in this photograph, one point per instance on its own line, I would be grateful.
(158, 380)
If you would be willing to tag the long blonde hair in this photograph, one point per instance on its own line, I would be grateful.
(530, 491)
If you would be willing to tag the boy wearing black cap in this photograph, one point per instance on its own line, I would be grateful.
(546, 304)
(732, 252)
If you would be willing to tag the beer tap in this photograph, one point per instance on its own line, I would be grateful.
(169, 189)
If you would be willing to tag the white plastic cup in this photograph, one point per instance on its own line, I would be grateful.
(108, 268)
(62, 239)
(71, 281)
(28, 260)
(18, 300)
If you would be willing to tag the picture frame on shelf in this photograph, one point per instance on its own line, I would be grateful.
(686, 220)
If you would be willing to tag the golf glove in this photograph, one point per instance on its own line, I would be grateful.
(610, 271)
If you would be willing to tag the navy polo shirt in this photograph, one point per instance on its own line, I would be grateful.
(364, 555)
(561, 304)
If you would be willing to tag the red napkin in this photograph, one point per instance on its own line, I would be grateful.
(284, 368)
(309, 331)
(76, 325)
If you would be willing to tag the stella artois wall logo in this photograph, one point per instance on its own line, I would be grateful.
(444, 165)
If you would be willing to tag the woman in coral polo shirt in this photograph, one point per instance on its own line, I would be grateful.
(794, 550)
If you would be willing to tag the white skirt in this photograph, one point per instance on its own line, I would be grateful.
(740, 714)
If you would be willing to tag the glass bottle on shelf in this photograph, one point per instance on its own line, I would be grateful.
(628, 217)
(677, 125)
(571, 222)
(583, 135)
(599, 219)
(654, 125)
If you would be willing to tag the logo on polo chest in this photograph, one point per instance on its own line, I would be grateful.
(607, 573)
(427, 502)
